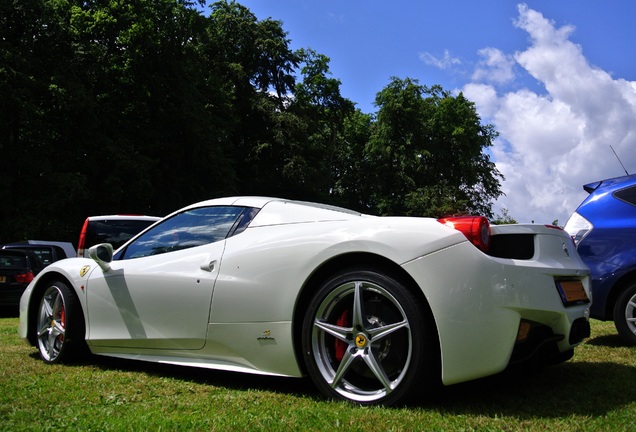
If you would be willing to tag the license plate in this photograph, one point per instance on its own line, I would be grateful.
(572, 292)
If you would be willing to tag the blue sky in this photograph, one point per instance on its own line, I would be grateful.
(557, 78)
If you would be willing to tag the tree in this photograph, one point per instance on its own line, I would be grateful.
(143, 106)
(427, 151)
(315, 164)
(504, 218)
(253, 60)
(95, 95)
(352, 188)
(39, 92)
(148, 79)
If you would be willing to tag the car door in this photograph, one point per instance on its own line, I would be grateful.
(157, 292)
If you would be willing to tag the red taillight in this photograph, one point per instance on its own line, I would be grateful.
(24, 277)
(82, 239)
(554, 227)
(475, 228)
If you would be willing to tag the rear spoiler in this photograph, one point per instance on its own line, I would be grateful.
(591, 187)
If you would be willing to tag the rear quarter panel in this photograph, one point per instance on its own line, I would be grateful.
(264, 268)
(478, 301)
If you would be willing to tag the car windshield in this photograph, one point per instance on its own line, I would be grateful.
(194, 227)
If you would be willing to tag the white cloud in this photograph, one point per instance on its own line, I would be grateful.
(551, 144)
(495, 66)
(484, 96)
(441, 63)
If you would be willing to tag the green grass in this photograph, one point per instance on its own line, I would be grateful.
(595, 391)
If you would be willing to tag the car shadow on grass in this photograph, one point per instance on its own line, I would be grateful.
(572, 388)
(299, 387)
(612, 341)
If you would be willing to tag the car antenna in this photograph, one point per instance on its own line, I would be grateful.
(619, 160)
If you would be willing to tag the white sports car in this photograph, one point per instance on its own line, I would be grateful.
(370, 308)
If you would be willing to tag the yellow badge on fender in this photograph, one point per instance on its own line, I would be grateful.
(84, 270)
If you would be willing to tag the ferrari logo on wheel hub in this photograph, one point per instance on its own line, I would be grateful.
(361, 341)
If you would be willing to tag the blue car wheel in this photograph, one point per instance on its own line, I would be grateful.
(625, 314)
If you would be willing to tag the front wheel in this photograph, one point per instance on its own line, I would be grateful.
(625, 314)
(60, 324)
(366, 339)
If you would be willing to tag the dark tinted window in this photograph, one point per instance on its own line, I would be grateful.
(44, 254)
(188, 229)
(113, 231)
(628, 195)
(13, 261)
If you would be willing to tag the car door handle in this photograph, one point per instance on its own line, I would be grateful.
(208, 266)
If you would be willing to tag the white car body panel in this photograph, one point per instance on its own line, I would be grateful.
(153, 303)
(255, 260)
(231, 304)
(478, 310)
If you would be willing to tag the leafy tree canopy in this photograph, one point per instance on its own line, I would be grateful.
(427, 150)
(143, 106)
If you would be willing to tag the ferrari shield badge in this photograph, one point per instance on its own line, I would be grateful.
(84, 270)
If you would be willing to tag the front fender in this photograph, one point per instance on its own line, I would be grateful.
(74, 271)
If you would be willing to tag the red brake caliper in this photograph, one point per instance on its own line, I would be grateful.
(62, 321)
(341, 346)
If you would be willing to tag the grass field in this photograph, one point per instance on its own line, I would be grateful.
(596, 391)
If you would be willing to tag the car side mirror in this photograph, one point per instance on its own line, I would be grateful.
(102, 254)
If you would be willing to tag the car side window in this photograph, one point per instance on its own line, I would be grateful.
(190, 228)
(627, 195)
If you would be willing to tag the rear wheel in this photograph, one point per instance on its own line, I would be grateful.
(365, 339)
(625, 314)
(60, 324)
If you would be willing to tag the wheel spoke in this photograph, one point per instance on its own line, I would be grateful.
(345, 364)
(377, 369)
(338, 332)
(357, 320)
(631, 325)
(48, 309)
(376, 334)
(51, 341)
(58, 305)
(44, 330)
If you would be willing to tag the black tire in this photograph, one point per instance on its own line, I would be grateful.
(60, 328)
(365, 339)
(625, 314)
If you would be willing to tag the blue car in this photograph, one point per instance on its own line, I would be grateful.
(604, 230)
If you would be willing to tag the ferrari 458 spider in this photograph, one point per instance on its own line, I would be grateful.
(370, 308)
